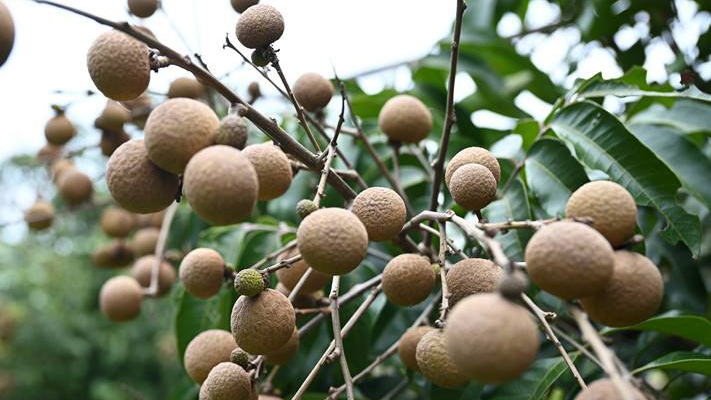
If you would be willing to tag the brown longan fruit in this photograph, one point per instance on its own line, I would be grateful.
(259, 26)
(120, 298)
(176, 130)
(253, 90)
(263, 323)
(205, 351)
(58, 167)
(405, 118)
(112, 117)
(144, 241)
(115, 254)
(40, 215)
(110, 141)
(473, 187)
(226, 381)
(283, 354)
(473, 155)
(610, 206)
(154, 220)
(491, 339)
(142, 8)
(569, 260)
(135, 183)
(382, 211)
(435, 363)
(49, 153)
(408, 345)
(75, 187)
(221, 185)
(119, 65)
(332, 241)
(241, 5)
(232, 132)
(313, 91)
(632, 295)
(202, 272)
(471, 276)
(143, 267)
(604, 389)
(273, 169)
(303, 300)
(186, 87)
(290, 276)
(7, 33)
(117, 222)
(59, 130)
(408, 279)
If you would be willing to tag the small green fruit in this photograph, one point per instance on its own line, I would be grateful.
(249, 282)
(240, 357)
(305, 207)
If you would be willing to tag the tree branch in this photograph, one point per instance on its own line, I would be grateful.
(152, 289)
(444, 306)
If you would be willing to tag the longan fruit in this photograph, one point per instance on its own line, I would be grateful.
(471, 276)
(143, 268)
(382, 211)
(408, 279)
(284, 353)
(142, 8)
(186, 87)
(290, 276)
(7, 33)
(49, 153)
(313, 91)
(59, 130)
(144, 241)
(119, 65)
(110, 141)
(112, 117)
(232, 132)
(117, 222)
(226, 381)
(604, 389)
(75, 187)
(241, 5)
(259, 26)
(115, 254)
(435, 363)
(40, 215)
(302, 300)
(120, 298)
(473, 187)
(263, 323)
(408, 345)
(253, 90)
(405, 118)
(205, 351)
(202, 272)
(473, 155)
(273, 169)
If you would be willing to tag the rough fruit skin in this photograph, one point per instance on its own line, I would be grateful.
(241, 5)
(135, 183)
(313, 91)
(7, 33)
(115, 254)
(113, 116)
(202, 272)
(239, 357)
(408, 279)
(143, 267)
(604, 389)
(471, 276)
(632, 295)
(207, 350)
(382, 211)
(332, 241)
(263, 323)
(285, 352)
(120, 298)
(408, 345)
(232, 132)
(110, 141)
(186, 87)
(290, 276)
(117, 222)
(611, 207)
(142, 8)
(273, 169)
(569, 260)
(226, 381)
(176, 130)
(145, 240)
(405, 118)
(491, 339)
(59, 130)
(473, 187)
(259, 26)
(75, 187)
(249, 282)
(305, 207)
(40, 215)
(119, 65)
(221, 185)
(260, 57)
(435, 363)
(473, 155)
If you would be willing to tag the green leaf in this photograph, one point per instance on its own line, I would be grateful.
(513, 206)
(623, 87)
(687, 116)
(528, 129)
(692, 327)
(535, 382)
(680, 361)
(602, 142)
(552, 174)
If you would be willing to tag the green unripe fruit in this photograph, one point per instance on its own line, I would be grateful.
(240, 357)
(259, 58)
(249, 282)
(305, 207)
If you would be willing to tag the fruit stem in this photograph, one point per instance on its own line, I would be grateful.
(336, 322)
(152, 289)
(444, 306)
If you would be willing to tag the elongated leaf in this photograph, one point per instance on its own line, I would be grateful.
(552, 174)
(596, 87)
(687, 116)
(602, 142)
(535, 382)
(691, 327)
(194, 315)
(680, 361)
(513, 206)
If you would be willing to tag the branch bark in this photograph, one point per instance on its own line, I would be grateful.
(152, 289)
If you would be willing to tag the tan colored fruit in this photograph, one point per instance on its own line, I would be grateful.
(202, 272)
(226, 381)
(332, 241)
(154, 220)
(110, 141)
(241, 5)
(48, 153)
(473, 155)
(268, 397)
(253, 90)
(272, 167)
(408, 279)
(259, 26)
(136, 183)
(58, 167)
(40, 215)
(7, 33)
(232, 132)
(604, 389)
(471, 276)
(115, 254)
(142, 8)
(382, 212)
(143, 268)
(289, 277)
(569, 260)
(145, 240)
(239, 357)
(435, 363)
(408, 345)
(186, 87)
(120, 298)
(473, 187)
(140, 108)
(610, 206)
(491, 339)
(632, 295)
(207, 350)
(263, 323)
(75, 187)
(117, 222)
(221, 185)
(405, 118)
(302, 300)
(285, 352)
(176, 130)
(313, 91)
(119, 65)
(59, 130)
(113, 117)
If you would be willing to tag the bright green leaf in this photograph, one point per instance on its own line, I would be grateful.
(691, 327)
(680, 361)
(513, 206)
(535, 382)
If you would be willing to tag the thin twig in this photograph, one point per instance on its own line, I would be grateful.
(451, 244)
(152, 289)
(271, 256)
(444, 306)
(417, 152)
(396, 159)
(286, 263)
(336, 321)
(300, 284)
(584, 351)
